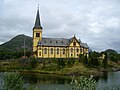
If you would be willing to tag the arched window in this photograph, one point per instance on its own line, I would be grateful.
(39, 53)
(57, 50)
(51, 50)
(71, 49)
(45, 51)
(77, 50)
(81, 50)
(63, 51)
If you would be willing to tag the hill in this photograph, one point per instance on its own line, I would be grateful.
(111, 51)
(17, 43)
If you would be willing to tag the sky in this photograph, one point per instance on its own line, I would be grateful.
(96, 22)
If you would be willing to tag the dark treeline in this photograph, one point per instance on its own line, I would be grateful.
(100, 59)
(9, 55)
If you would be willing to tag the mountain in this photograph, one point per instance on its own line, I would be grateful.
(109, 51)
(17, 43)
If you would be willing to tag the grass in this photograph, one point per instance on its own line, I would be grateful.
(51, 67)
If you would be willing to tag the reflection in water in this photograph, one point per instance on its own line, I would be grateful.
(46, 82)
(45, 79)
(109, 80)
(51, 82)
(104, 77)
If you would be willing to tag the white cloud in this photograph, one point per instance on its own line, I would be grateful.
(96, 22)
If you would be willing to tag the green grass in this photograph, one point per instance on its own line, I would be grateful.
(51, 67)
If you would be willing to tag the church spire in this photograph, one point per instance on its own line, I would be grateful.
(37, 22)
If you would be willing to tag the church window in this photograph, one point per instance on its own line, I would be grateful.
(56, 41)
(45, 51)
(39, 53)
(37, 34)
(57, 50)
(81, 50)
(63, 51)
(74, 43)
(51, 50)
(77, 55)
(71, 54)
(71, 49)
(40, 48)
(77, 50)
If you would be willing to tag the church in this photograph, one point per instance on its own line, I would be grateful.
(56, 47)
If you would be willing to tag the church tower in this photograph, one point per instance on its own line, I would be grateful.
(37, 33)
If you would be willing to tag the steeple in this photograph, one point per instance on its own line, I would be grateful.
(37, 22)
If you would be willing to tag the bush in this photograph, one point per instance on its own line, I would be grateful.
(83, 83)
(13, 81)
(33, 62)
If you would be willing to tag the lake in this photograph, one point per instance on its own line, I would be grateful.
(53, 82)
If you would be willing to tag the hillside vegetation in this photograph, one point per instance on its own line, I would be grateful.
(14, 48)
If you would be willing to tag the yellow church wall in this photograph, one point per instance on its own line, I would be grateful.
(71, 53)
(81, 51)
(60, 54)
(45, 55)
(57, 55)
(35, 41)
(40, 52)
(51, 55)
(63, 54)
(67, 54)
(77, 52)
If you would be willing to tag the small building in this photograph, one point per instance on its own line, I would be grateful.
(56, 47)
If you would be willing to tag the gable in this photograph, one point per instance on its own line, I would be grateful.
(74, 42)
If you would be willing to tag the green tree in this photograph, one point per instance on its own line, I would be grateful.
(61, 63)
(105, 61)
(85, 62)
(81, 58)
(33, 62)
(94, 59)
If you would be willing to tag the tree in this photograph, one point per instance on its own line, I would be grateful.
(60, 63)
(85, 62)
(33, 62)
(81, 58)
(105, 61)
(94, 59)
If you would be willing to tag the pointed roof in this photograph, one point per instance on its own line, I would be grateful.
(37, 22)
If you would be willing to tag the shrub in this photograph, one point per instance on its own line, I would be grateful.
(33, 62)
(13, 81)
(83, 83)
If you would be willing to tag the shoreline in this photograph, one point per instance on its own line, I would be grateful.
(99, 73)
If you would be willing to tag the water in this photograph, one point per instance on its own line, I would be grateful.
(109, 80)
(53, 82)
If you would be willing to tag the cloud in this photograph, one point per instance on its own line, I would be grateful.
(96, 22)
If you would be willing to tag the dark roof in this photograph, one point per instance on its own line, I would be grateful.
(59, 42)
(37, 22)
(84, 45)
(54, 42)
